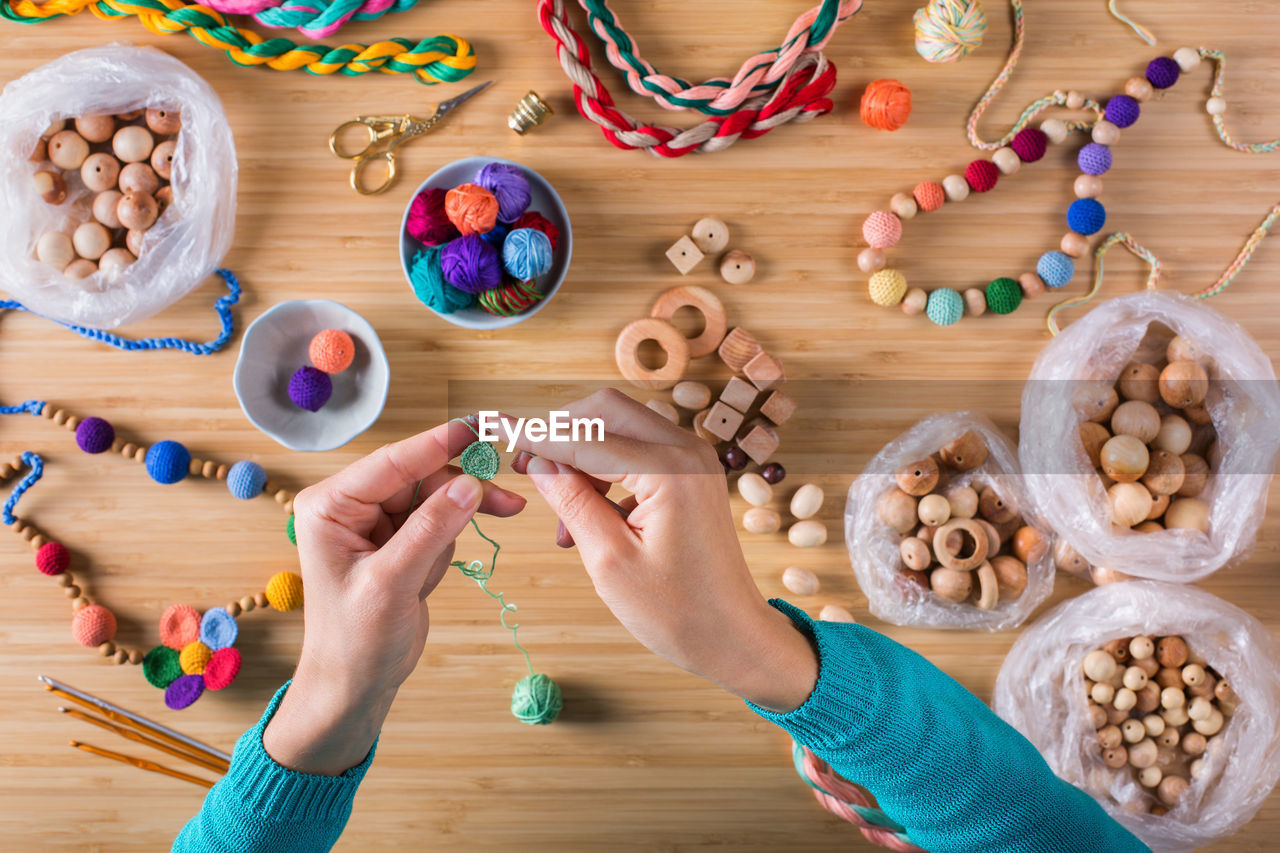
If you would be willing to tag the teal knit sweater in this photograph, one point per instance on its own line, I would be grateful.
(938, 761)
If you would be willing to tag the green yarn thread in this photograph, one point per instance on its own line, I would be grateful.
(536, 700)
(427, 280)
(291, 531)
(1004, 295)
(480, 460)
(161, 667)
(945, 306)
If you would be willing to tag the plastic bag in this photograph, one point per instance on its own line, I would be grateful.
(873, 545)
(188, 241)
(1040, 691)
(1243, 402)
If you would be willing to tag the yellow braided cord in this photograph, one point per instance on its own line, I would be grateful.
(1242, 258)
(1219, 121)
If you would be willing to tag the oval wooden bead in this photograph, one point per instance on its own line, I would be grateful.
(903, 206)
(662, 407)
(1006, 160)
(761, 520)
(1088, 186)
(956, 187)
(951, 584)
(800, 581)
(835, 613)
(871, 260)
(668, 337)
(915, 553)
(247, 604)
(975, 302)
(1105, 133)
(705, 303)
(691, 395)
(1032, 285)
(1073, 244)
(754, 489)
(1138, 88)
(914, 302)
(807, 534)
(260, 599)
(807, 501)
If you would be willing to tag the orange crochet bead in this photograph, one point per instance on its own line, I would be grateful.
(332, 351)
(179, 625)
(472, 209)
(886, 104)
(194, 657)
(284, 591)
(929, 195)
(882, 229)
(93, 625)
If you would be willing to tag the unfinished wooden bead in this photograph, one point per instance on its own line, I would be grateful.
(91, 240)
(807, 534)
(67, 150)
(1115, 757)
(114, 261)
(919, 477)
(164, 121)
(1074, 245)
(1138, 88)
(668, 337)
(975, 302)
(1139, 381)
(951, 584)
(1171, 651)
(988, 587)
(1032, 285)
(1132, 731)
(1125, 699)
(50, 186)
(1108, 735)
(665, 409)
(132, 144)
(1124, 458)
(55, 249)
(934, 510)
(1183, 384)
(1174, 435)
(807, 501)
(710, 235)
(914, 302)
(705, 303)
(1130, 503)
(1095, 401)
(162, 159)
(1143, 753)
(898, 510)
(1165, 474)
(738, 348)
(800, 581)
(835, 613)
(967, 551)
(1099, 666)
(915, 553)
(137, 210)
(1136, 418)
(1134, 678)
(754, 489)
(993, 508)
(1172, 789)
(139, 178)
(737, 267)
(691, 395)
(1029, 544)
(966, 452)
(1102, 693)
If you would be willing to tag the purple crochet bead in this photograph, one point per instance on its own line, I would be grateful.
(471, 264)
(1123, 110)
(183, 690)
(310, 389)
(1094, 159)
(1162, 72)
(94, 435)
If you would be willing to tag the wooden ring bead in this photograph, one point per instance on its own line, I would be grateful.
(951, 559)
(707, 304)
(667, 336)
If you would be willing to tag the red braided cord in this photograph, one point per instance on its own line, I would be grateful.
(836, 793)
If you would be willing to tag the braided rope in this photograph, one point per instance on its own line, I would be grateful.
(1219, 121)
(1139, 30)
(318, 18)
(719, 96)
(801, 97)
(36, 464)
(850, 802)
(29, 407)
(439, 59)
(1242, 257)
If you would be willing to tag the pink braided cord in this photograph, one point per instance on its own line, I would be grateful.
(838, 796)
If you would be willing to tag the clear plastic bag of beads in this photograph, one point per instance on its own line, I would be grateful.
(190, 236)
(1232, 433)
(968, 456)
(1041, 691)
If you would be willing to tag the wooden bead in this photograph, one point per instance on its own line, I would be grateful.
(1088, 186)
(693, 396)
(207, 469)
(72, 423)
(754, 489)
(1196, 476)
(975, 302)
(764, 371)
(1073, 244)
(287, 506)
(738, 348)
(761, 520)
(988, 587)
(904, 207)
(914, 302)
(1138, 88)
(1184, 349)
(72, 591)
(1159, 505)
(221, 473)
(1174, 435)
(1139, 381)
(232, 608)
(67, 149)
(1093, 436)
(1109, 736)
(28, 533)
(897, 509)
(1183, 384)
(956, 187)
(705, 303)
(1115, 757)
(37, 542)
(871, 260)
(195, 467)
(1011, 576)
(129, 449)
(1095, 401)
(951, 584)
(162, 159)
(722, 421)
(778, 407)
(919, 477)
(247, 604)
(993, 507)
(962, 501)
(1124, 459)
(1074, 100)
(1055, 129)
(934, 510)
(140, 455)
(800, 581)
(50, 186)
(1165, 473)
(132, 144)
(1130, 503)
(1187, 514)
(115, 260)
(1097, 716)
(1105, 133)
(1136, 418)
(120, 657)
(136, 656)
(915, 553)
(971, 550)
(668, 337)
(65, 579)
(260, 599)
(80, 603)
(661, 407)
(107, 649)
(835, 613)
(59, 418)
(809, 533)
(807, 501)
(710, 235)
(760, 443)
(1132, 731)
(1215, 106)
(737, 267)
(1172, 789)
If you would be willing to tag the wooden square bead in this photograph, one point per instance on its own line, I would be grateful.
(760, 443)
(778, 407)
(737, 348)
(685, 255)
(764, 371)
(722, 421)
(739, 393)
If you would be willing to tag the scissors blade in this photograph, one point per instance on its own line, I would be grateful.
(450, 105)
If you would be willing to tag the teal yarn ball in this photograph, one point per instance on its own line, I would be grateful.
(526, 254)
(945, 307)
(536, 700)
(291, 531)
(1004, 295)
(246, 480)
(1056, 268)
(167, 462)
(429, 285)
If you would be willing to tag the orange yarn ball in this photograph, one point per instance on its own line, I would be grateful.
(886, 104)
(929, 195)
(284, 591)
(472, 209)
(332, 351)
(93, 625)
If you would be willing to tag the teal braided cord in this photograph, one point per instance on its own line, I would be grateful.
(36, 464)
(336, 12)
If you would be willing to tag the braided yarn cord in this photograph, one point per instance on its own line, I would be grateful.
(315, 18)
(850, 802)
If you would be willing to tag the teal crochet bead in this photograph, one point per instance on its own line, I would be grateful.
(1056, 268)
(1004, 296)
(945, 307)
(246, 480)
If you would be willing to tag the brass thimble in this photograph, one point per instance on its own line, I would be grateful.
(529, 113)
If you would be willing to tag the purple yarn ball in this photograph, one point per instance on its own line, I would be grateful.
(1122, 110)
(471, 264)
(509, 186)
(1162, 72)
(94, 435)
(1094, 159)
(310, 389)
(183, 691)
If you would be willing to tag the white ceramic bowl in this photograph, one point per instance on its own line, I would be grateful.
(275, 346)
(545, 200)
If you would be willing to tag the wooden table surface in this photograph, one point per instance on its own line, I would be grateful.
(645, 757)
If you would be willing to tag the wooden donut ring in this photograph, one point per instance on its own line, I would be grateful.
(707, 304)
(988, 587)
(952, 559)
(674, 344)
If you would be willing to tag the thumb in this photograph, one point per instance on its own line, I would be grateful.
(591, 520)
(429, 531)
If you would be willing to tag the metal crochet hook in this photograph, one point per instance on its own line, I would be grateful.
(395, 130)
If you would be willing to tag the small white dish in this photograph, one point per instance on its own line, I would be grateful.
(275, 346)
(545, 200)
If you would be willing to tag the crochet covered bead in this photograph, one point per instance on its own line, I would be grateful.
(194, 657)
(94, 435)
(945, 307)
(887, 287)
(1029, 144)
(929, 195)
(332, 350)
(284, 591)
(183, 691)
(93, 625)
(218, 629)
(290, 530)
(981, 175)
(1123, 111)
(1055, 268)
(53, 558)
(310, 389)
(167, 462)
(882, 229)
(1162, 72)
(246, 480)
(160, 666)
(179, 625)
(1004, 295)
(222, 669)
(1094, 159)
(1086, 216)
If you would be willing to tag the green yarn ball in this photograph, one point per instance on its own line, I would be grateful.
(430, 287)
(161, 667)
(536, 700)
(480, 460)
(1004, 296)
(945, 306)
(290, 531)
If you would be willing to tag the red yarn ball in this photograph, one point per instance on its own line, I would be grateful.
(981, 175)
(53, 558)
(538, 222)
(427, 222)
(93, 625)
(1030, 144)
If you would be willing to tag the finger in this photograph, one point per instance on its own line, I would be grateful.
(408, 559)
(589, 517)
(565, 540)
(520, 465)
(497, 501)
(395, 468)
(437, 572)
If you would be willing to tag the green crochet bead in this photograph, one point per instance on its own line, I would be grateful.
(290, 531)
(1004, 295)
(160, 666)
(480, 460)
(945, 306)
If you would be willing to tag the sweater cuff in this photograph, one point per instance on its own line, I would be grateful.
(289, 796)
(844, 700)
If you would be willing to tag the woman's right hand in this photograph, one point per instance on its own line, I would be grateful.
(669, 565)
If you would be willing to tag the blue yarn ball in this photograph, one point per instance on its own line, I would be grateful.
(1056, 268)
(1162, 72)
(1094, 159)
(527, 254)
(509, 186)
(167, 462)
(1086, 216)
(310, 389)
(246, 480)
(430, 287)
(1122, 110)
(94, 435)
(218, 629)
(945, 306)
(496, 235)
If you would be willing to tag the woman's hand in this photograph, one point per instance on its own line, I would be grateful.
(373, 540)
(671, 568)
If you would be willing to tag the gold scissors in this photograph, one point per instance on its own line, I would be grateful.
(398, 129)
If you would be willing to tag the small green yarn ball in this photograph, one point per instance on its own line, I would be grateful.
(945, 306)
(1004, 295)
(161, 667)
(290, 531)
(480, 460)
(536, 700)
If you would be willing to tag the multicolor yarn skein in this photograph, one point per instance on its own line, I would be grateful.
(850, 802)
(947, 30)
(314, 18)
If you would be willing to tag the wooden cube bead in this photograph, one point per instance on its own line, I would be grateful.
(722, 421)
(684, 255)
(738, 348)
(739, 393)
(760, 443)
(764, 371)
(778, 407)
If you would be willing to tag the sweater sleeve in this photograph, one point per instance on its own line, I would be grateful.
(260, 806)
(937, 760)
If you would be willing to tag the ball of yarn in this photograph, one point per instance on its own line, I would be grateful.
(160, 666)
(947, 30)
(480, 460)
(284, 591)
(886, 104)
(222, 669)
(218, 629)
(472, 209)
(291, 530)
(945, 306)
(882, 229)
(1029, 144)
(179, 625)
(1094, 159)
(1122, 110)
(194, 657)
(1162, 72)
(535, 220)
(510, 299)
(887, 287)
(509, 186)
(1056, 268)
(536, 700)
(471, 264)
(183, 691)
(246, 480)
(496, 235)
(929, 195)
(1004, 295)
(310, 389)
(427, 280)
(332, 350)
(93, 625)
(981, 175)
(167, 462)
(53, 558)
(1086, 216)
(427, 221)
(526, 254)
(94, 435)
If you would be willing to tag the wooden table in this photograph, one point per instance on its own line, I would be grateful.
(645, 757)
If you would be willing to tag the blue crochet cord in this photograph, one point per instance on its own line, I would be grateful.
(36, 464)
(222, 306)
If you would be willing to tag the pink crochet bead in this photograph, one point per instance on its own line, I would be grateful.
(1029, 144)
(882, 229)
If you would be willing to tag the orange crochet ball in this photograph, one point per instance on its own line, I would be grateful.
(332, 351)
(929, 195)
(472, 209)
(93, 625)
(886, 104)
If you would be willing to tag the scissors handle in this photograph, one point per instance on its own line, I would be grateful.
(376, 134)
(388, 157)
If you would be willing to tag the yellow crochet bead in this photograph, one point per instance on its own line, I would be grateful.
(284, 591)
(194, 657)
(887, 287)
